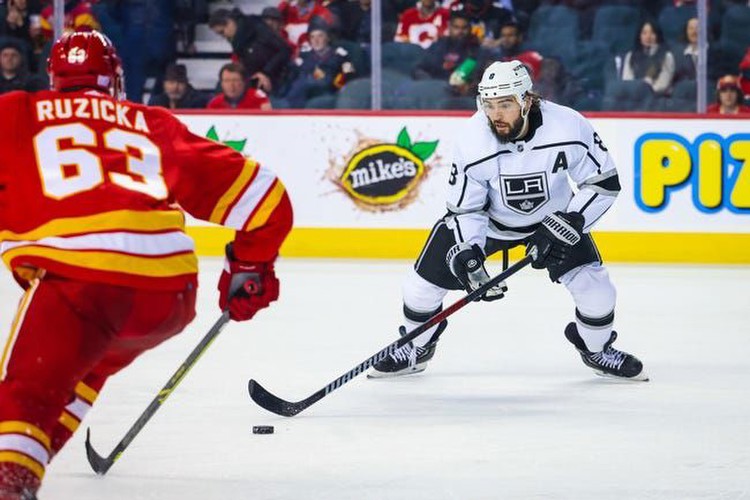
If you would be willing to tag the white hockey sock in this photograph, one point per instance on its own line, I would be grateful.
(423, 338)
(593, 337)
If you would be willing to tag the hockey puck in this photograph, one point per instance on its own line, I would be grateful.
(263, 429)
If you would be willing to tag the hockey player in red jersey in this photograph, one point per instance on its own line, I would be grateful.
(91, 228)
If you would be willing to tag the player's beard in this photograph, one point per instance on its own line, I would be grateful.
(513, 133)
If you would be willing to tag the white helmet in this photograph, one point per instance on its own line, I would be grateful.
(502, 79)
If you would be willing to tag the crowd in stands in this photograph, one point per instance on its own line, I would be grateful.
(622, 55)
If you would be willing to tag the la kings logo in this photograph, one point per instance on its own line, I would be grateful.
(524, 194)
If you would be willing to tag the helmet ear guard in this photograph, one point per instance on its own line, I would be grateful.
(86, 60)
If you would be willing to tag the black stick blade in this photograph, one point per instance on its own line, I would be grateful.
(100, 464)
(272, 403)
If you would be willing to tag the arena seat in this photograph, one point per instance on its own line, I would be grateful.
(616, 26)
(401, 57)
(628, 95)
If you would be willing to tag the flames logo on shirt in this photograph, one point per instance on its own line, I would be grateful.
(384, 176)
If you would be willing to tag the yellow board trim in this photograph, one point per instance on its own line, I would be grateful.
(23, 461)
(161, 267)
(703, 248)
(119, 220)
(69, 421)
(25, 428)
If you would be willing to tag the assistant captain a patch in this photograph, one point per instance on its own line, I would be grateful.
(524, 194)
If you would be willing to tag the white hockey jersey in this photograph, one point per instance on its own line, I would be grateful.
(503, 191)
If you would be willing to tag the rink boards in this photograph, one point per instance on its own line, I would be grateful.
(366, 185)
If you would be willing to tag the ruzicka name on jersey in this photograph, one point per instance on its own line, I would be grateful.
(91, 108)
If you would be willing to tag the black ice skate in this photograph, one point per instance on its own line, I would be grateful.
(408, 358)
(608, 362)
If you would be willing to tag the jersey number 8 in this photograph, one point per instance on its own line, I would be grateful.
(66, 172)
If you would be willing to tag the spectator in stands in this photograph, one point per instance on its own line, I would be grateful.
(745, 75)
(178, 93)
(553, 83)
(486, 17)
(13, 70)
(687, 60)
(509, 46)
(296, 16)
(273, 19)
(650, 60)
(187, 15)
(263, 53)
(149, 42)
(19, 21)
(321, 69)
(235, 91)
(454, 57)
(729, 97)
(78, 17)
(353, 21)
(422, 24)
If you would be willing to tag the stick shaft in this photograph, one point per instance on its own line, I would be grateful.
(285, 408)
(101, 465)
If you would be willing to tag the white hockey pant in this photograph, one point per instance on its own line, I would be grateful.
(594, 296)
(593, 293)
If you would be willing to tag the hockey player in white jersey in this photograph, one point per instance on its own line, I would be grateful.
(509, 186)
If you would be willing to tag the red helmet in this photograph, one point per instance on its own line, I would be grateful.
(85, 59)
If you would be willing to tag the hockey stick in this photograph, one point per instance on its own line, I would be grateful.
(100, 464)
(285, 408)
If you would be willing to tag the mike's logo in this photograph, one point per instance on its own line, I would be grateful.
(237, 145)
(385, 176)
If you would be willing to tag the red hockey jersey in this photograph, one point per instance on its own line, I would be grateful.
(423, 31)
(93, 188)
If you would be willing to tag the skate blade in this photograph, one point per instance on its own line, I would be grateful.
(641, 377)
(374, 374)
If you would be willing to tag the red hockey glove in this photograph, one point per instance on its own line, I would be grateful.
(246, 287)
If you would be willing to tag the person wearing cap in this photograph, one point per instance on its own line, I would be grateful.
(525, 172)
(235, 91)
(729, 97)
(178, 93)
(320, 69)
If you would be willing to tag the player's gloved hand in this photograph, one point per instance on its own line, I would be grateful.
(467, 264)
(550, 244)
(246, 287)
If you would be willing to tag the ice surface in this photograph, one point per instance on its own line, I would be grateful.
(506, 410)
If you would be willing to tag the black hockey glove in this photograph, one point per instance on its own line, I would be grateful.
(550, 244)
(467, 264)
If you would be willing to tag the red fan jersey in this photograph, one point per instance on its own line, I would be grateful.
(252, 99)
(92, 188)
(413, 28)
(296, 18)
